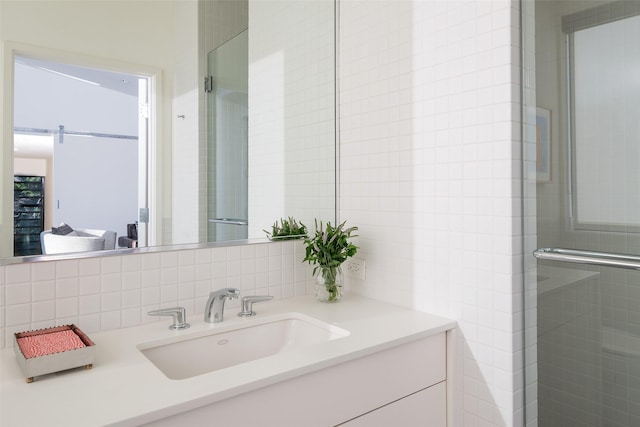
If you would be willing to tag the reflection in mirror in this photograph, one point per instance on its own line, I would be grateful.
(291, 103)
(227, 143)
(91, 174)
(292, 127)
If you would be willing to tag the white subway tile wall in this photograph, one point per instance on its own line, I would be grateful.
(99, 294)
(430, 172)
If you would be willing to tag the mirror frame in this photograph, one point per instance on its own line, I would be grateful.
(12, 49)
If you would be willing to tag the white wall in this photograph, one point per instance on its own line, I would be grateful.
(95, 183)
(188, 163)
(430, 172)
(36, 167)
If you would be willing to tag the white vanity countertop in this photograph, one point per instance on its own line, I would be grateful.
(124, 388)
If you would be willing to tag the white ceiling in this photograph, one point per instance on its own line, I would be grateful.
(125, 83)
(41, 146)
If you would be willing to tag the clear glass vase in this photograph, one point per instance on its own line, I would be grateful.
(329, 284)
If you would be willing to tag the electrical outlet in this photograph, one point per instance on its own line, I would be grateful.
(355, 268)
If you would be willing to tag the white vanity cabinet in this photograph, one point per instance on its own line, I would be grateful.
(390, 369)
(403, 384)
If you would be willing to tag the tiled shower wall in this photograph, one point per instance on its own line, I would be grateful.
(430, 172)
(114, 292)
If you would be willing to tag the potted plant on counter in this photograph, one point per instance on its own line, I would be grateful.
(327, 249)
(287, 229)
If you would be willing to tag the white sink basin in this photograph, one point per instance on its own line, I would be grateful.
(194, 354)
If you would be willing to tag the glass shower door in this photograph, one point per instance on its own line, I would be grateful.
(228, 140)
(582, 213)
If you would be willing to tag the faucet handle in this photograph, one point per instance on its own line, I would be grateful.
(247, 304)
(179, 315)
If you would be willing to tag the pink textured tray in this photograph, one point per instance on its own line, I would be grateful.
(53, 349)
(49, 343)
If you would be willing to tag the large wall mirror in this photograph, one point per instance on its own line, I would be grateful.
(201, 121)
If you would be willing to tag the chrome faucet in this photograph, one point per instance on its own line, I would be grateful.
(179, 315)
(214, 310)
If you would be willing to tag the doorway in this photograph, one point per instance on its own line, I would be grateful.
(96, 167)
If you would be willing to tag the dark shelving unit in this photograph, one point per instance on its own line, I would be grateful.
(28, 214)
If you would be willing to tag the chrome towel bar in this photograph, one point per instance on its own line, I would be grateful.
(605, 259)
(231, 221)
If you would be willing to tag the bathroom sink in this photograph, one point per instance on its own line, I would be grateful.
(195, 354)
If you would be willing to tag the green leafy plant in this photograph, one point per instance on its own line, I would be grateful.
(287, 229)
(327, 249)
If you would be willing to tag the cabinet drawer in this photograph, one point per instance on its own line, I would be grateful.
(424, 408)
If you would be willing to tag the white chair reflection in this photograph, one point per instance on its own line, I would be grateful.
(77, 241)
